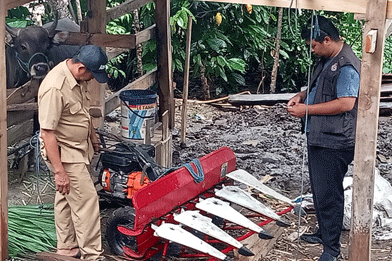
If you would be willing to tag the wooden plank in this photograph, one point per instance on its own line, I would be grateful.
(3, 143)
(23, 93)
(102, 39)
(32, 106)
(19, 132)
(165, 68)
(351, 6)
(17, 117)
(46, 256)
(128, 41)
(144, 82)
(258, 99)
(146, 34)
(259, 246)
(386, 87)
(125, 8)
(366, 136)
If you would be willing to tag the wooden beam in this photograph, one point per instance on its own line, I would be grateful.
(96, 24)
(165, 68)
(111, 40)
(15, 3)
(366, 136)
(146, 34)
(144, 82)
(259, 99)
(125, 8)
(47, 256)
(33, 106)
(18, 117)
(118, 41)
(23, 93)
(19, 132)
(351, 6)
(3, 143)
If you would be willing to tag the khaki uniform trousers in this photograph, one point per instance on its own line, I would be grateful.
(77, 214)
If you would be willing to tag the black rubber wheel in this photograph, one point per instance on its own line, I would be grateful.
(124, 216)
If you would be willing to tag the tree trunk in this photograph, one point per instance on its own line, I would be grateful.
(61, 6)
(204, 84)
(139, 48)
(274, 73)
(78, 11)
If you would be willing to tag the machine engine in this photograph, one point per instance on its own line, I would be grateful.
(123, 170)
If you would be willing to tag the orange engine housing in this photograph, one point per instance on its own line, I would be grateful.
(127, 184)
(136, 181)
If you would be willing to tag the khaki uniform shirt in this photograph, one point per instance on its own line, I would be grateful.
(63, 106)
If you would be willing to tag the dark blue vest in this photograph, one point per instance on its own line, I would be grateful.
(333, 131)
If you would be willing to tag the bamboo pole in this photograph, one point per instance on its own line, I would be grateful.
(3, 142)
(186, 83)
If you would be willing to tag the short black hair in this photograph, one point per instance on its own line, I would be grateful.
(321, 28)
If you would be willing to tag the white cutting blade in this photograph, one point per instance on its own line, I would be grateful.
(222, 209)
(245, 199)
(247, 179)
(195, 220)
(179, 235)
(240, 197)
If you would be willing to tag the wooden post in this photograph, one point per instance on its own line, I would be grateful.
(366, 136)
(164, 141)
(3, 142)
(165, 77)
(97, 24)
(186, 82)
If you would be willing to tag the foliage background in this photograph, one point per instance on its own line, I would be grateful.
(234, 55)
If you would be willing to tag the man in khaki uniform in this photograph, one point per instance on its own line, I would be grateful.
(68, 142)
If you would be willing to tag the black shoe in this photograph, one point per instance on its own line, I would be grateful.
(327, 257)
(312, 238)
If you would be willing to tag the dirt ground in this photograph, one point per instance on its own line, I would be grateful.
(267, 143)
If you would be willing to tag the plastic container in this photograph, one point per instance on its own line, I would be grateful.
(137, 107)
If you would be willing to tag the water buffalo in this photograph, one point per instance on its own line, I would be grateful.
(27, 53)
(58, 52)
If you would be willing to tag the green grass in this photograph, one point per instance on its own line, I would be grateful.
(31, 228)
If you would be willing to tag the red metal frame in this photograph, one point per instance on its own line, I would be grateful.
(158, 201)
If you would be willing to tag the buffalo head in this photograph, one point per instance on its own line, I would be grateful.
(26, 53)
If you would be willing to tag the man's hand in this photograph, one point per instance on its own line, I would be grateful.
(297, 99)
(298, 110)
(62, 182)
(52, 150)
(94, 139)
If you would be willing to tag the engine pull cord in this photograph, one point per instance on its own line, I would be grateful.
(313, 32)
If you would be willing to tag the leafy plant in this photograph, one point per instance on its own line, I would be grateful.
(19, 17)
(31, 228)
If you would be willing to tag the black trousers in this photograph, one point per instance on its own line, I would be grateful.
(327, 168)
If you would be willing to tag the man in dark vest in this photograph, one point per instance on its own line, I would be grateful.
(329, 112)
